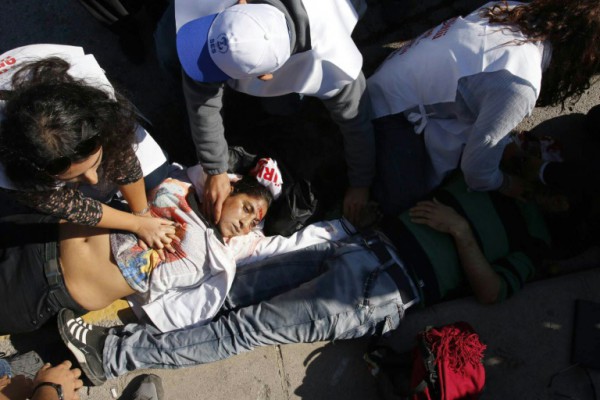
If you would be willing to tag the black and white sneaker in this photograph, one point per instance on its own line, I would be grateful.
(85, 342)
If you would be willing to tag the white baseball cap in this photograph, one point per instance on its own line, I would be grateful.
(242, 41)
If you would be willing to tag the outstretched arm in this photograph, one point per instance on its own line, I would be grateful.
(204, 103)
(350, 109)
(502, 100)
(484, 281)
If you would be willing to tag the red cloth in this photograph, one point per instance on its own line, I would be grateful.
(458, 354)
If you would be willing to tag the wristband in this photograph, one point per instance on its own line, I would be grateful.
(56, 387)
(141, 212)
(541, 172)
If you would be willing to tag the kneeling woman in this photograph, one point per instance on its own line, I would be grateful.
(68, 141)
(46, 265)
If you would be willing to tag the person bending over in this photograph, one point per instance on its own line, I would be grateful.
(450, 98)
(68, 140)
(271, 50)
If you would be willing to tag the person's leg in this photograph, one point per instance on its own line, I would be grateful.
(268, 278)
(402, 164)
(165, 43)
(360, 6)
(352, 298)
(118, 16)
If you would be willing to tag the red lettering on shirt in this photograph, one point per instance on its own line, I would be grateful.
(446, 25)
(7, 62)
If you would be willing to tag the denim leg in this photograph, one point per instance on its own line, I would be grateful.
(265, 279)
(402, 164)
(335, 305)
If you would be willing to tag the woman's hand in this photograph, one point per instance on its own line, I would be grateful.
(157, 233)
(439, 217)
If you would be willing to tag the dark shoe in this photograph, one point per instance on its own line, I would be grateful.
(85, 342)
(144, 387)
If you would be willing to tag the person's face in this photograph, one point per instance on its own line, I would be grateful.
(85, 171)
(552, 203)
(240, 214)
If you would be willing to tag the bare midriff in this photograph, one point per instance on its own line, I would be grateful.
(91, 275)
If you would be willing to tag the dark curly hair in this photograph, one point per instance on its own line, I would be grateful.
(573, 29)
(48, 113)
(253, 188)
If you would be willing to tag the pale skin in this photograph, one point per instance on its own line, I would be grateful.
(62, 374)
(482, 278)
(93, 279)
(157, 233)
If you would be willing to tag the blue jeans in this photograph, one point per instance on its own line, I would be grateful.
(325, 292)
(402, 164)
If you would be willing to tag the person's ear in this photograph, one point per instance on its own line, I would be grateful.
(265, 77)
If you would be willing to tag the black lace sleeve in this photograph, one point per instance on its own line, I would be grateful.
(65, 203)
(130, 170)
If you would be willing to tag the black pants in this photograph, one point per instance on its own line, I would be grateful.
(32, 287)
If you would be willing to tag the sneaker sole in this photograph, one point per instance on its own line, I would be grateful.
(77, 352)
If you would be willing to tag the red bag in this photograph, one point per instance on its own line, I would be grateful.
(447, 364)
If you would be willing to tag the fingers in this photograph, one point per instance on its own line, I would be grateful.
(207, 207)
(76, 373)
(142, 244)
(161, 254)
(351, 212)
(166, 222)
(46, 366)
(174, 237)
(217, 211)
(421, 210)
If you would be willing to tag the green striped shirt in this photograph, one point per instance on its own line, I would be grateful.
(511, 234)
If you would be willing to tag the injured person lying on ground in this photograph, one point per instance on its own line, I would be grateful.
(458, 242)
(46, 265)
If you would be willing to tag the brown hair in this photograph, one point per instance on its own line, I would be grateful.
(572, 27)
(48, 113)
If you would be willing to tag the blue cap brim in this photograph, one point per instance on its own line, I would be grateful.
(192, 48)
